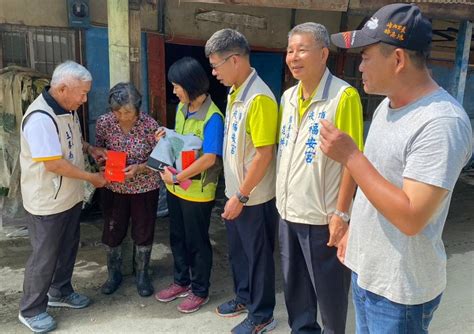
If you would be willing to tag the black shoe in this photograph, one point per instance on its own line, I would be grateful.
(114, 264)
(249, 327)
(142, 261)
(230, 308)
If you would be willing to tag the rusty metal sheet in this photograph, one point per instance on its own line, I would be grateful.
(157, 77)
(439, 9)
(326, 5)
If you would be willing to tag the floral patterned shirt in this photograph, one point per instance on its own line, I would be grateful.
(138, 144)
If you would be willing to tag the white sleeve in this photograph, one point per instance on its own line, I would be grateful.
(42, 137)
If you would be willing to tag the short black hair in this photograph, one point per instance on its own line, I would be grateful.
(419, 58)
(227, 41)
(189, 74)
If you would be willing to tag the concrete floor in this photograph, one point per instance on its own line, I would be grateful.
(126, 312)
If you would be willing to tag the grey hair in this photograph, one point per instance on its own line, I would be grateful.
(70, 70)
(319, 32)
(227, 41)
(124, 94)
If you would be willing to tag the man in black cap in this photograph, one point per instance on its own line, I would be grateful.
(419, 140)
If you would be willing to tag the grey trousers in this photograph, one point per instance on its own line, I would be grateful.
(54, 240)
(313, 276)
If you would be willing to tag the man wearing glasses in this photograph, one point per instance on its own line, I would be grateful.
(249, 168)
(313, 192)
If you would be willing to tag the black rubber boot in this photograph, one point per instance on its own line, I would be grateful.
(114, 265)
(142, 261)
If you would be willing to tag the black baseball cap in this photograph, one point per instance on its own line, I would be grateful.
(401, 25)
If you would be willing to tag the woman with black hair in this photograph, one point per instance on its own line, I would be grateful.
(126, 129)
(190, 208)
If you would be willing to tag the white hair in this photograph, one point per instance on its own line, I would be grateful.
(70, 70)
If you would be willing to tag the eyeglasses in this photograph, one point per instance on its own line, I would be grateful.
(222, 62)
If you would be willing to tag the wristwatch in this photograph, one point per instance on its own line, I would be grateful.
(242, 198)
(175, 179)
(343, 215)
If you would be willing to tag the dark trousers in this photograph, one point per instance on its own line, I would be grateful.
(119, 209)
(251, 238)
(312, 275)
(190, 244)
(54, 240)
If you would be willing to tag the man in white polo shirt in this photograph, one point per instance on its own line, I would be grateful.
(52, 175)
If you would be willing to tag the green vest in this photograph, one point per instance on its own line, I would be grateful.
(203, 187)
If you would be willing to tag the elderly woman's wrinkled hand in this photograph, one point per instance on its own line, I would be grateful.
(131, 171)
(160, 133)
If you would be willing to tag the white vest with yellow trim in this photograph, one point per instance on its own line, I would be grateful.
(43, 192)
(307, 180)
(238, 147)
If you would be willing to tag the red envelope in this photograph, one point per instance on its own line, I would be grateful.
(114, 165)
(187, 158)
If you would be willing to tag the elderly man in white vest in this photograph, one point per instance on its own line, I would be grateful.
(52, 175)
(314, 193)
(249, 169)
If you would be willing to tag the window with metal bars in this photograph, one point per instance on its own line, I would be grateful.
(37, 47)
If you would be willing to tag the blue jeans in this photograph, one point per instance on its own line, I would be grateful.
(377, 315)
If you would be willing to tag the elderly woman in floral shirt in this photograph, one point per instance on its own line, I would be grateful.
(126, 129)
